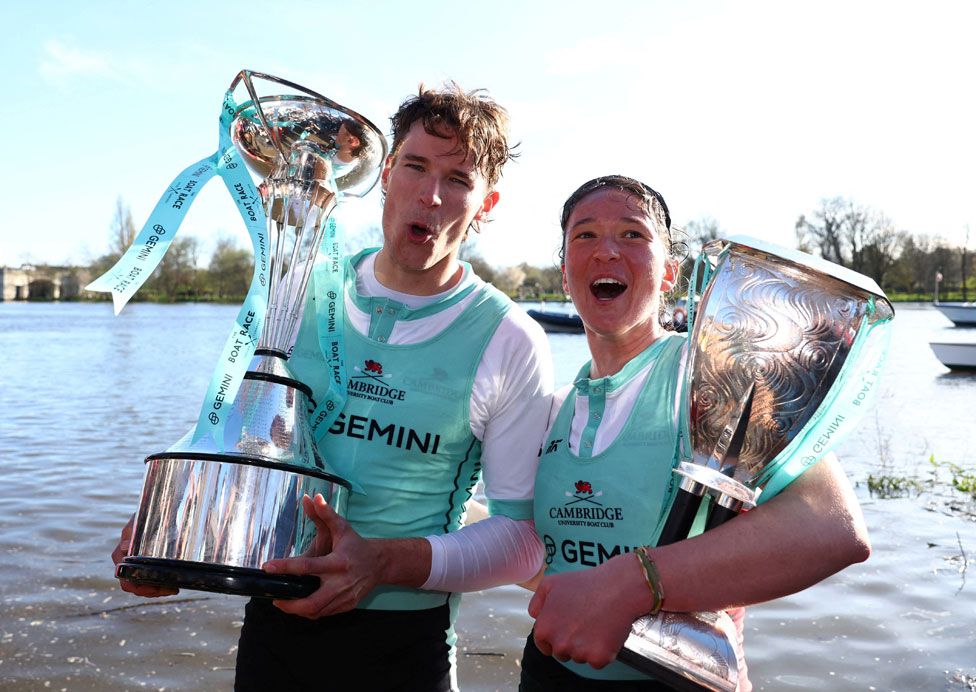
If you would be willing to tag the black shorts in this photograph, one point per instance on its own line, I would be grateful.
(368, 650)
(541, 673)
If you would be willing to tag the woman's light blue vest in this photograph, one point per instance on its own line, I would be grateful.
(591, 507)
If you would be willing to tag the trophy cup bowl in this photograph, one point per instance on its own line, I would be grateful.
(266, 126)
(772, 334)
(213, 511)
(778, 324)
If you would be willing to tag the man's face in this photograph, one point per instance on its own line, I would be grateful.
(345, 141)
(433, 193)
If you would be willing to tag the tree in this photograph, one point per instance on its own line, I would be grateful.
(539, 282)
(123, 231)
(879, 253)
(551, 280)
(121, 234)
(472, 255)
(176, 277)
(916, 265)
(852, 236)
(822, 233)
(509, 280)
(230, 270)
(964, 263)
(700, 231)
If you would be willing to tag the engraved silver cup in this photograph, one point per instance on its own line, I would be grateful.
(782, 349)
(796, 331)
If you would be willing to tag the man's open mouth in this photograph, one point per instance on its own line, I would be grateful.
(420, 231)
(607, 289)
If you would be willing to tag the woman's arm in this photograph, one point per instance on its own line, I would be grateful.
(811, 530)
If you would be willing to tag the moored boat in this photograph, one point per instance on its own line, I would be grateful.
(557, 322)
(955, 355)
(961, 314)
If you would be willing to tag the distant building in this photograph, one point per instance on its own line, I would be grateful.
(43, 282)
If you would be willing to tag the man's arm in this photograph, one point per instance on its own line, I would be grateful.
(811, 530)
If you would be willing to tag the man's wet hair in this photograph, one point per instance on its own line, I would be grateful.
(475, 119)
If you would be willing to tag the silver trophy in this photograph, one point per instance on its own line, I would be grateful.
(211, 514)
(783, 350)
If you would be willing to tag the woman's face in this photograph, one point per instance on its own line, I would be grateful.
(616, 264)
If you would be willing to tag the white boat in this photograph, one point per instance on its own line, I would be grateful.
(961, 314)
(957, 356)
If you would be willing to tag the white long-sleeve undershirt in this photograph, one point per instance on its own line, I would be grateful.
(509, 407)
(495, 551)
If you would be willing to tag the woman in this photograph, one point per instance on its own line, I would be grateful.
(605, 479)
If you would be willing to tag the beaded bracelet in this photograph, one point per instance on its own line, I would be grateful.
(652, 577)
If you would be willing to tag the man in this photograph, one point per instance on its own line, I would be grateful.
(473, 380)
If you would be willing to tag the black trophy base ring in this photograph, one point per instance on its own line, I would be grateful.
(202, 576)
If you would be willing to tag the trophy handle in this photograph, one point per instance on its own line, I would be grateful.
(245, 76)
(715, 476)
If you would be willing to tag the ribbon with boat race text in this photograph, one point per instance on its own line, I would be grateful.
(329, 292)
(152, 242)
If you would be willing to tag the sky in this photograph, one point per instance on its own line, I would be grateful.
(749, 113)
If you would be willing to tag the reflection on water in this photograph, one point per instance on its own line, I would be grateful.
(86, 396)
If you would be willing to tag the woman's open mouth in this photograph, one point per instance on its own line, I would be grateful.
(607, 289)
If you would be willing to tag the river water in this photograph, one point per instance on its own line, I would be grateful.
(84, 396)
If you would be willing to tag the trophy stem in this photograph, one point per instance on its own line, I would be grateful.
(295, 221)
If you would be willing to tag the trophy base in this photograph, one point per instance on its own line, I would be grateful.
(199, 576)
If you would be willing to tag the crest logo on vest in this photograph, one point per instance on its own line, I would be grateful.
(372, 383)
(583, 509)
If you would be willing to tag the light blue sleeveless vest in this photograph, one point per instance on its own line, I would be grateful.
(589, 507)
(404, 435)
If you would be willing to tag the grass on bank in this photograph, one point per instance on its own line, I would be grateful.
(886, 484)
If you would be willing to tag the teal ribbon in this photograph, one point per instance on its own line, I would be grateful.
(152, 242)
(701, 275)
(329, 279)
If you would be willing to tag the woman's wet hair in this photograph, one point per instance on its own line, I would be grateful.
(650, 201)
